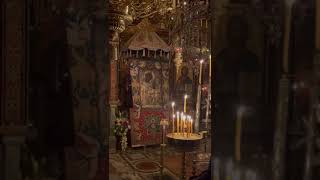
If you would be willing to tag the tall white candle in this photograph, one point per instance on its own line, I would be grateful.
(185, 103)
(191, 125)
(178, 122)
(173, 116)
(200, 73)
(210, 66)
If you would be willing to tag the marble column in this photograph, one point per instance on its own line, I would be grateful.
(118, 18)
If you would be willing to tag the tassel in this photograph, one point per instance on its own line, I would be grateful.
(144, 52)
(130, 53)
(160, 53)
(148, 53)
(155, 53)
(137, 52)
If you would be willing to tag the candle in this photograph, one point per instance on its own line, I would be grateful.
(173, 116)
(191, 126)
(238, 134)
(178, 122)
(163, 133)
(185, 103)
(127, 10)
(181, 122)
(189, 123)
(185, 124)
(200, 73)
(210, 66)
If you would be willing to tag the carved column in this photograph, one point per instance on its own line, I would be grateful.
(118, 18)
(13, 82)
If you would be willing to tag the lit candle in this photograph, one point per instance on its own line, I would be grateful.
(238, 134)
(210, 66)
(191, 126)
(173, 116)
(178, 122)
(185, 103)
(127, 10)
(181, 122)
(184, 124)
(200, 73)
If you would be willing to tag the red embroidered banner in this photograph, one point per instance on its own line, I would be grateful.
(145, 124)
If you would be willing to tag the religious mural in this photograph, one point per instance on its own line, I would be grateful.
(150, 93)
(150, 83)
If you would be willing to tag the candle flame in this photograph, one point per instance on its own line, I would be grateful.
(186, 96)
(201, 61)
(173, 104)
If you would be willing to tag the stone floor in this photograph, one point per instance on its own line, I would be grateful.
(144, 164)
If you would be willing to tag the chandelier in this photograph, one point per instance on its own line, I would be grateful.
(140, 9)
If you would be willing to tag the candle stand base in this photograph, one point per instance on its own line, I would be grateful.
(184, 143)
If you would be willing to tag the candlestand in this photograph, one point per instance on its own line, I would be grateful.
(162, 146)
(163, 123)
(184, 144)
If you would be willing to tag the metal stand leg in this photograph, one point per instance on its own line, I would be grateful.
(183, 173)
(162, 161)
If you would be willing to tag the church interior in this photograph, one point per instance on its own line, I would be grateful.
(160, 90)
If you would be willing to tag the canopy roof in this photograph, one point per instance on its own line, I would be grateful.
(146, 38)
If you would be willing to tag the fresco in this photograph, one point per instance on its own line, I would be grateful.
(150, 83)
